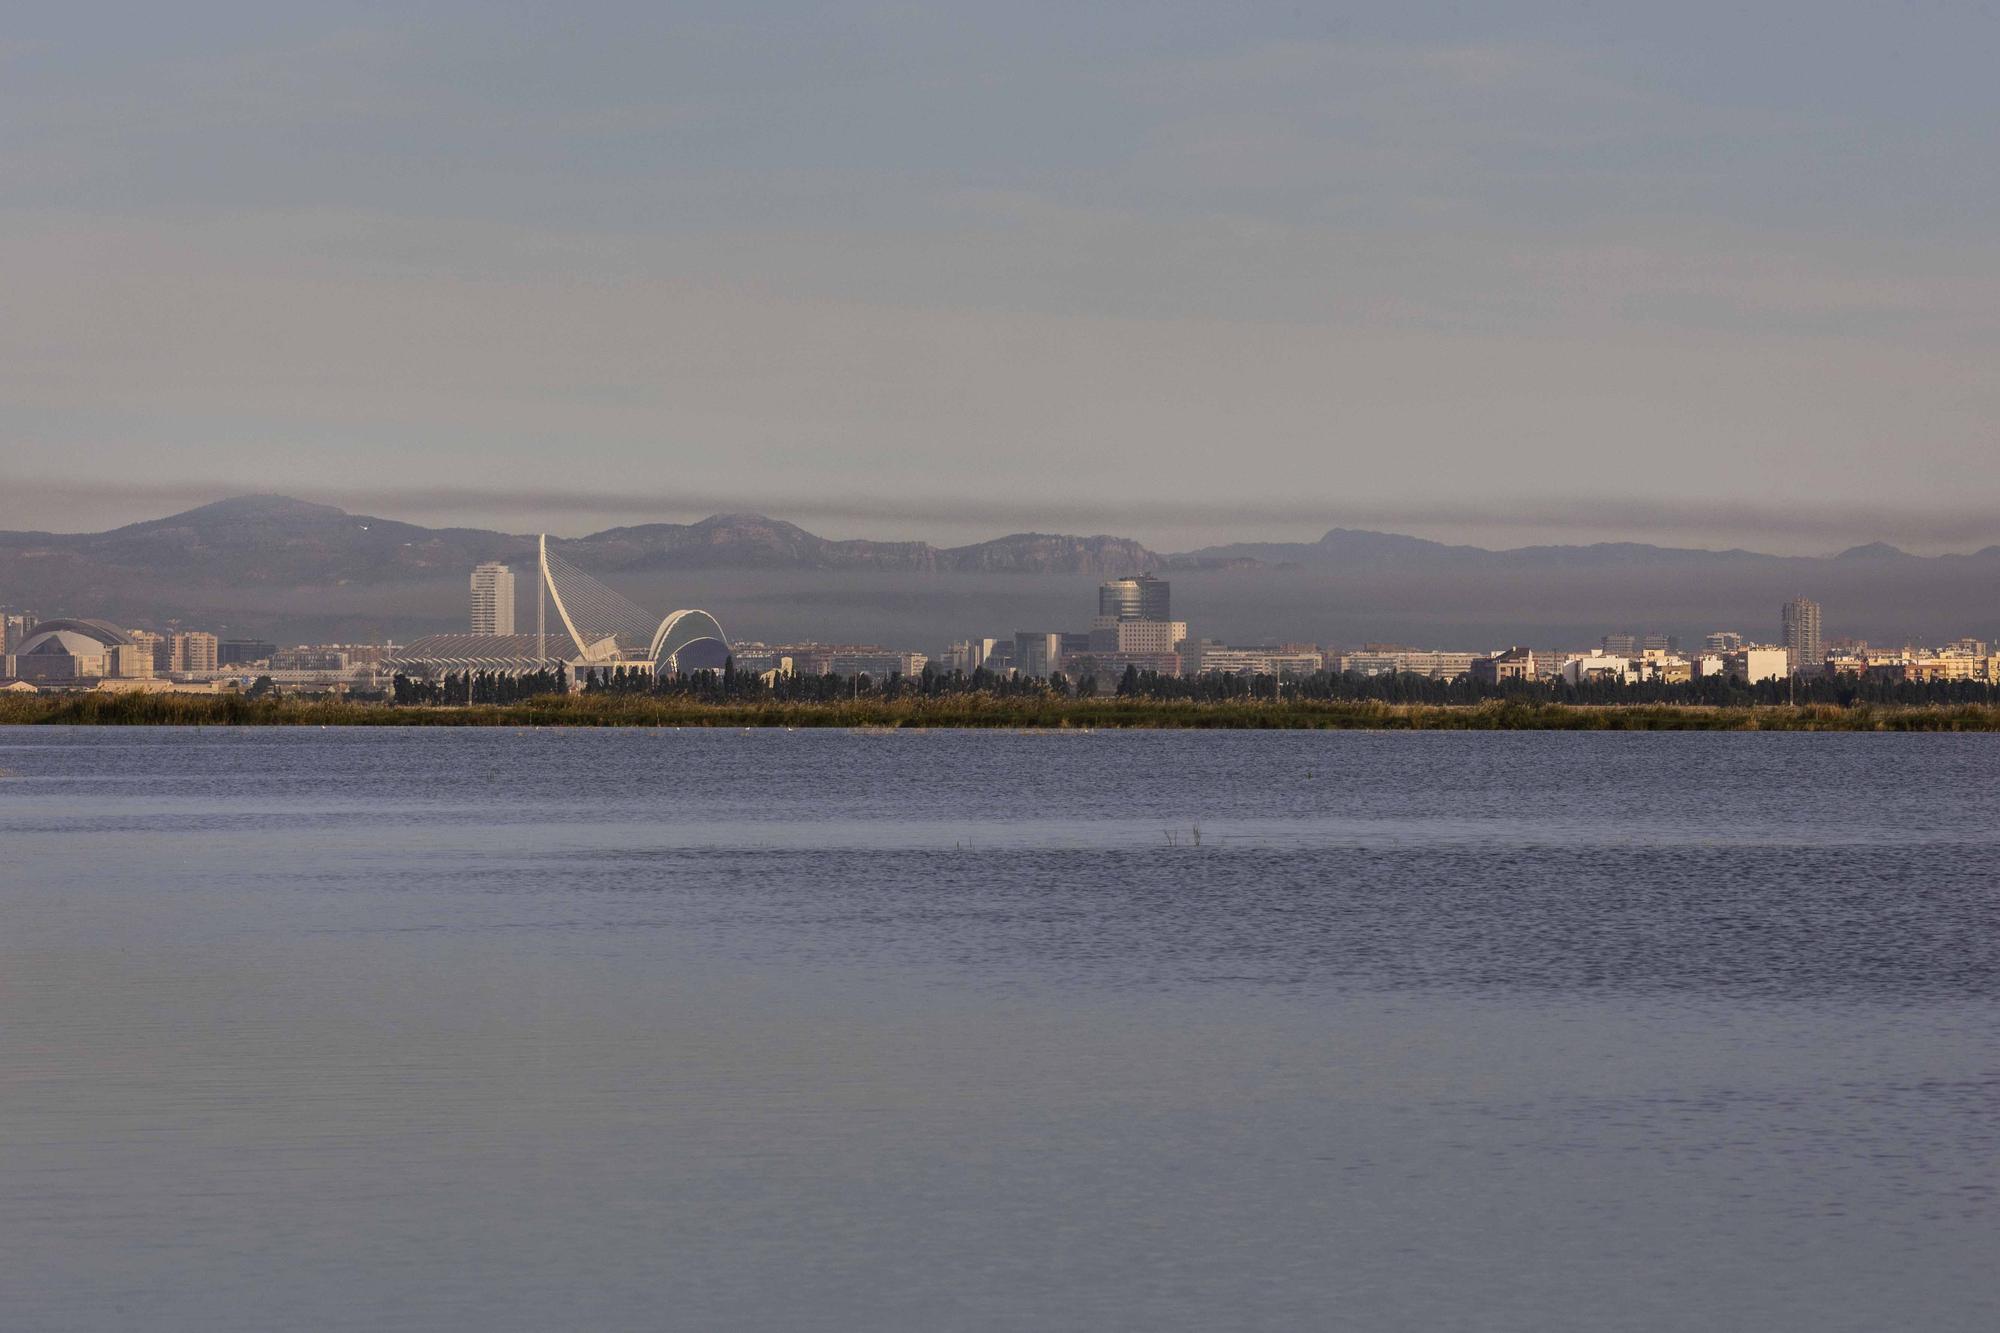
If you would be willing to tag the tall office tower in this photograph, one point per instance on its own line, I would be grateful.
(1723, 641)
(1799, 626)
(492, 599)
(1660, 643)
(1143, 598)
(1621, 645)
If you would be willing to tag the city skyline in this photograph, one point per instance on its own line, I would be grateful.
(602, 641)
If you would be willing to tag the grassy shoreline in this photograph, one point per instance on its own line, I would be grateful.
(985, 711)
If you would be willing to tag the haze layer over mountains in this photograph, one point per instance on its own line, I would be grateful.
(296, 571)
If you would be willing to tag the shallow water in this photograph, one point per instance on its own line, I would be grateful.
(522, 1030)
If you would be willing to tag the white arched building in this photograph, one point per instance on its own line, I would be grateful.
(688, 641)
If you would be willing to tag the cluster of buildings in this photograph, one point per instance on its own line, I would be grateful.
(1963, 659)
(73, 654)
(1134, 628)
(593, 628)
(1800, 651)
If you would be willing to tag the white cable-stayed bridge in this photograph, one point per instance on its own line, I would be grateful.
(604, 625)
(594, 628)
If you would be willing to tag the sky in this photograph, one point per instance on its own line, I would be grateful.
(1702, 274)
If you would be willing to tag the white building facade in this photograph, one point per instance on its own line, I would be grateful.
(492, 599)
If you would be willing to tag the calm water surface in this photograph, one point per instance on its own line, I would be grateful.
(657, 1029)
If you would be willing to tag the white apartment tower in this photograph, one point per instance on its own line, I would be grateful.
(492, 599)
(1798, 622)
(192, 650)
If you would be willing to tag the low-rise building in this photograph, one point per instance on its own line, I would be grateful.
(876, 663)
(308, 657)
(1663, 669)
(1598, 668)
(1271, 661)
(1919, 668)
(824, 659)
(1758, 664)
(1380, 659)
(164, 685)
(1107, 669)
(312, 682)
(1515, 664)
(242, 652)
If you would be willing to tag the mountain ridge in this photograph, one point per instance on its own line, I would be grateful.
(274, 539)
(269, 564)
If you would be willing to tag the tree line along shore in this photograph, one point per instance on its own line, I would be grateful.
(972, 710)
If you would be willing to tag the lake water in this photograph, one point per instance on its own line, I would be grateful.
(442, 1029)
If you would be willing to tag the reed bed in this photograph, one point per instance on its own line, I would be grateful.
(984, 711)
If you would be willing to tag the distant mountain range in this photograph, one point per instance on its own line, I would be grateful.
(271, 559)
(273, 540)
(276, 540)
(1357, 549)
(752, 541)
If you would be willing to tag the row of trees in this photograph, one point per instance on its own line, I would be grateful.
(480, 687)
(729, 684)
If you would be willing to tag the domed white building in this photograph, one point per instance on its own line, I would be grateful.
(59, 650)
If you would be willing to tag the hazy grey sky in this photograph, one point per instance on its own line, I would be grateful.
(1702, 272)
